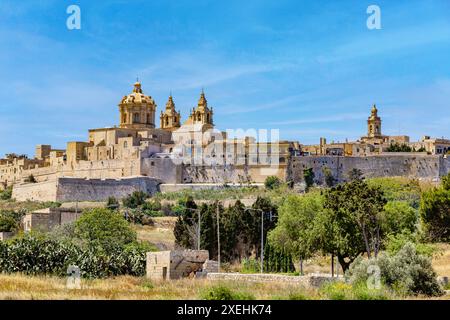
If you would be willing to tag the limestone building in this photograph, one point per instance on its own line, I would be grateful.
(176, 152)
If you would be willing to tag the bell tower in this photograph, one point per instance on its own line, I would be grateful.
(374, 124)
(137, 111)
(202, 114)
(170, 118)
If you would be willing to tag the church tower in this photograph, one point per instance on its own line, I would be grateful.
(137, 111)
(170, 118)
(374, 124)
(202, 114)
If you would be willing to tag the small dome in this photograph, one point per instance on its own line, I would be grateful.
(137, 97)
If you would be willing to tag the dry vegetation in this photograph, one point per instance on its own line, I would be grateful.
(160, 234)
(26, 287)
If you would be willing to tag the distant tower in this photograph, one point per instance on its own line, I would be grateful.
(202, 114)
(137, 110)
(170, 118)
(374, 124)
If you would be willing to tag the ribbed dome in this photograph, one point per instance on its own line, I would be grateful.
(137, 97)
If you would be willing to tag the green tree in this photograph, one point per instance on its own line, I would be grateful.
(435, 214)
(272, 182)
(446, 182)
(295, 228)
(6, 194)
(112, 203)
(355, 174)
(308, 175)
(395, 147)
(398, 217)
(185, 221)
(350, 223)
(134, 200)
(103, 229)
(328, 177)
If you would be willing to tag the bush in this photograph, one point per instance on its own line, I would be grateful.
(112, 203)
(407, 272)
(152, 209)
(104, 228)
(221, 292)
(399, 216)
(395, 242)
(7, 224)
(37, 254)
(435, 213)
(344, 291)
(272, 182)
(10, 220)
(135, 199)
(6, 194)
(250, 265)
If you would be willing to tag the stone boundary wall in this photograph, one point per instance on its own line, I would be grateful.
(312, 280)
(73, 189)
(425, 167)
(76, 189)
(41, 191)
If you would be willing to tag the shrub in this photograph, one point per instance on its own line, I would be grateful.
(37, 254)
(395, 242)
(221, 292)
(435, 213)
(104, 228)
(10, 220)
(112, 203)
(399, 216)
(272, 182)
(345, 291)
(6, 194)
(250, 265)
(407, 272)
(135, 199)
(7, 224)
(152, 209)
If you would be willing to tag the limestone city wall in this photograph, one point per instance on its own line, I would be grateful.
(76, 189)
(407, 165)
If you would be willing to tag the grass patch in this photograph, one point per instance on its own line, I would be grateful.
(222, 292)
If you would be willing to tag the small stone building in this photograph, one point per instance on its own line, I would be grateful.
(6, 235)
(170, 265)
(46, 219)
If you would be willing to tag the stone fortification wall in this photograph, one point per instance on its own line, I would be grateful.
(70, 189)
(75, 189)
(416, 166)
(102, 169)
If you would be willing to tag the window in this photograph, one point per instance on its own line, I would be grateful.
(125, 144)
(148, 119)
(136, 118)
(124, 118)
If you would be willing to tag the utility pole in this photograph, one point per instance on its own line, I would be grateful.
(218, 236)
(199, 226)
(262, 240)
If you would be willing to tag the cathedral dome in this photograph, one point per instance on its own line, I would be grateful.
(137, 110)
(137, 97)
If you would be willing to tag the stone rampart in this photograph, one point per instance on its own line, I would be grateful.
(417, 166)
(75, 189)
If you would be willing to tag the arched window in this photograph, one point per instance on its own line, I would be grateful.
(124, 118)
(136, 118)
(167, 120)
(148, 119)
(125, 144)
(199, 117)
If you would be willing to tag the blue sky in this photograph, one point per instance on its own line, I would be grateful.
(308, 68)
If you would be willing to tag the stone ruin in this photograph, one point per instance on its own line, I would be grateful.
(171, 265)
